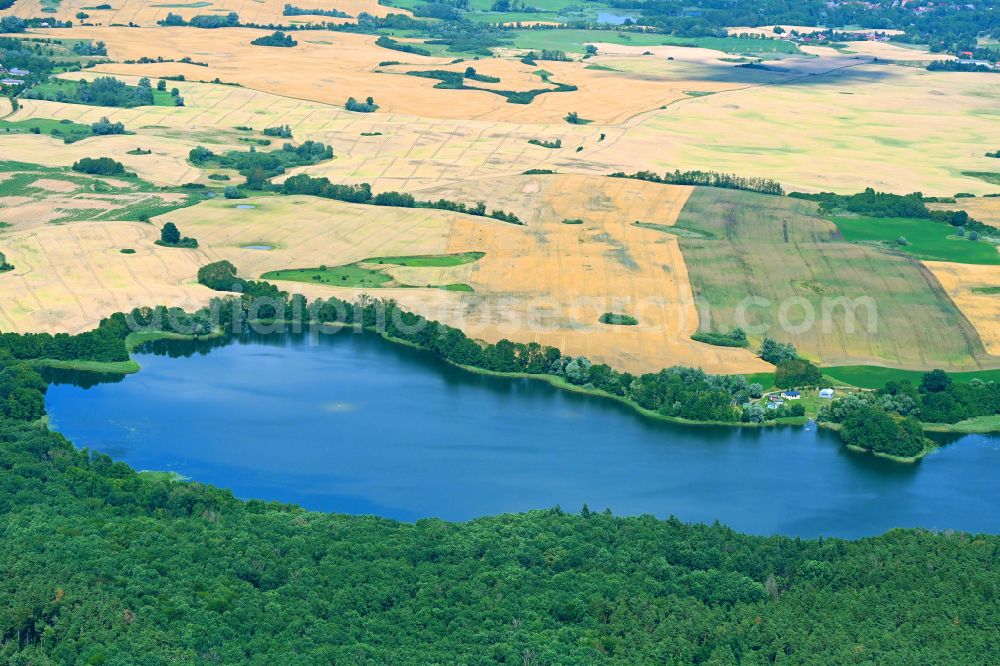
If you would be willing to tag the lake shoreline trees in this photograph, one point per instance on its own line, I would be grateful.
(683, 395)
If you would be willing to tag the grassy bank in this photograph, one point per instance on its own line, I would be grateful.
(131, 366)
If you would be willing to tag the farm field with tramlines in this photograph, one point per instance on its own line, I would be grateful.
(444, 127)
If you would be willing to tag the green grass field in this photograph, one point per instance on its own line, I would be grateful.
(574, 41)
(769, 262)
(127, 199)
(871, 376)
(359, 275)
(67, 130)
(925, 239)
(429, 260)
(338, 276)
(50, 87)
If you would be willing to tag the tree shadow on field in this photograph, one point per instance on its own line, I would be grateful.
(789, 71)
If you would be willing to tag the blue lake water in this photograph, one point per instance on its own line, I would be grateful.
(612, 19)
(354, 424)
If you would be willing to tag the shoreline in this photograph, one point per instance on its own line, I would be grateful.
(135, 340)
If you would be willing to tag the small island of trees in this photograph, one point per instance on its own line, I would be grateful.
(618, 319)
(170, 236)
(277, 38)
(368, 106)
(99, 166)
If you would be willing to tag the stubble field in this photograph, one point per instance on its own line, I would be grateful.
(873, 124)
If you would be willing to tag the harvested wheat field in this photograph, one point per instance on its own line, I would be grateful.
(547, 282)
(887, 121)
(763, 122)
(559, 278)
(976, 292)
(147, 14)
(775, 268)
(328, 67)
(68, 277)
(983, 209)
(654, 108)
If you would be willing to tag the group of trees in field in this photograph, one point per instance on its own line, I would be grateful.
(282, 131)
(99, 166)
(277, 38)
(885, 204)
(4, 264)
(547, 54)
(708, 179)
(387, 42)
(210, 21)
(104, 127)
(88, 48)
(112, 563)
(102, 91)
(796, 373)
(367, 106)
(791, 370)
(362, 193)
(259, 166)
(871, 203)
(546, 144)
(292, 10)
(170, 236)
(735, 338)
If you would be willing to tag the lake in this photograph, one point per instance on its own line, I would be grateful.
(351, 423)
(613, 19)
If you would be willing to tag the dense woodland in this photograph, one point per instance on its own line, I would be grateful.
(107, 566)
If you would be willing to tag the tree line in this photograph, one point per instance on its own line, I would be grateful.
(708, 179)
(885, 204)
(362, 193)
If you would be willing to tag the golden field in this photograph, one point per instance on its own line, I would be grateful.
(828, 121)
(984, 209)
(767, 123)
(147, 14)
(960, 282)
(547, 282)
